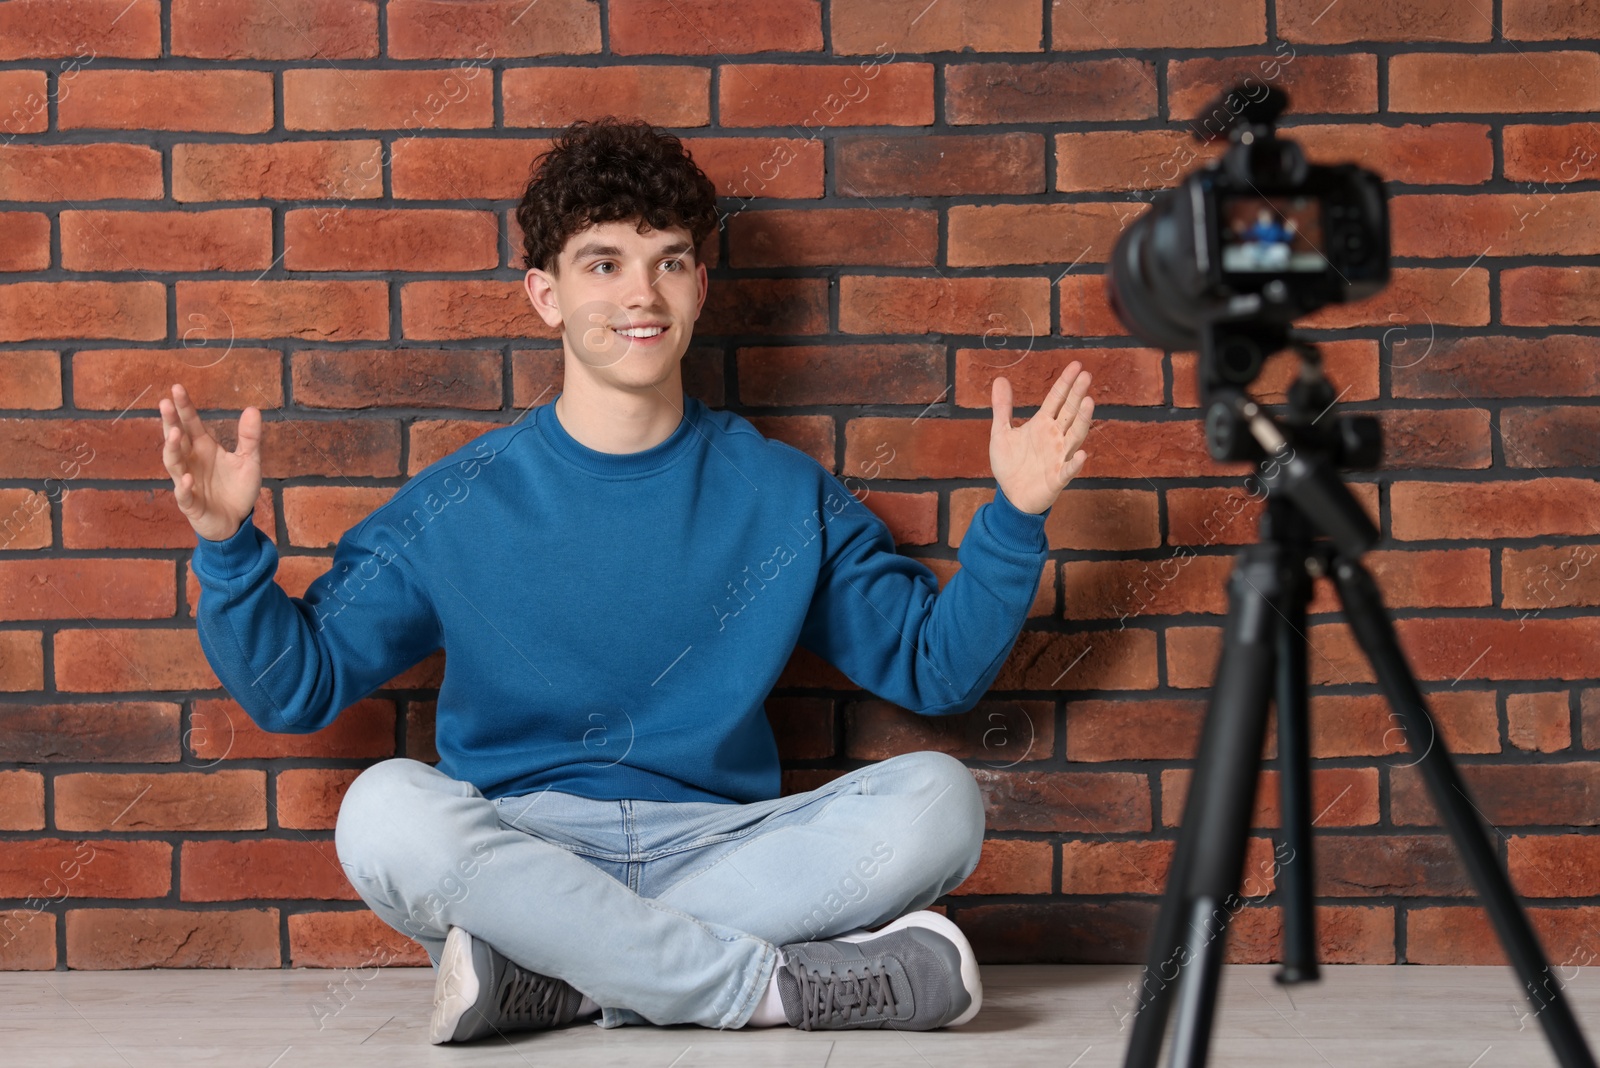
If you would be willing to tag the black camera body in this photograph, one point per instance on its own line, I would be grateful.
(1250, 242)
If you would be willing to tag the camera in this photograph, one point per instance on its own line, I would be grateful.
(1248, 243)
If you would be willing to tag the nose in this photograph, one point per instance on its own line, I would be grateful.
(641, 291)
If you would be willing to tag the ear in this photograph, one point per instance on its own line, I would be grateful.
(540, 288)
(700, 274)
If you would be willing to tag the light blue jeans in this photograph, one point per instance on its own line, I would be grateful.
(661, 912)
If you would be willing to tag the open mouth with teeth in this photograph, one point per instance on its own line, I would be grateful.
(641, 333)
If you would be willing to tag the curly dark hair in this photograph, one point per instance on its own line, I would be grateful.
(608, 170)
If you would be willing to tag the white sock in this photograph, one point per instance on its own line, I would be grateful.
(769, 1013)
(586, 1007)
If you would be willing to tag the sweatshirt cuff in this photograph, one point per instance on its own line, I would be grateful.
(231, 556)
(1011, 524)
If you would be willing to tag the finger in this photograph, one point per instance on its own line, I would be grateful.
(1057, 397)
(249, 434)
(1078, 432)
(172, 451)
(1073, 466)
(188, 413)
(1000, 398)
(1080, 390)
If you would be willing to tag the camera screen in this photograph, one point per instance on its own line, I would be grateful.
(1262, 233)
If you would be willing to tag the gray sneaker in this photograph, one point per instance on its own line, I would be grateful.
(479, 991)
(915, 974)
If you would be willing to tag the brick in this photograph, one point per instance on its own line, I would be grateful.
(1351, 366)
(355, 939)
(1008, 866)
(488, 29)
(1396, 865)
(1088, 660)
(1115, 867)
(308, 798)
(30, 378)
(841, 374)
(1133, 730)
(1128, 159)
(1443, 153)
(306, 309)
(275, 29)
(144, 732)
(552, 97)
(992, 235)
(80, 172)
(1121, 376)
(162, 801)
(259, 868)
(84, 869)
(220, 730)
(906, 305)
(108, 659)
(1527, 509)
(99, 938)
(1542, 20)
(1550, 436)
(1372, 20)
(1080, 518)
(1539, 722)
(135, 311)
(1463, 935)
(136, 519)
(761, 166)
(1178, 584)
(999, 733)
(1553, 153)
(1090, 90)
(803, 727)
(1527, 648)
(1508, 224)
(1100, 802)
(386, 239)
(862, 26)
(450, 310)
(1435, 437)
(397, 378)
(434, 439)
(1344, 84)
(461, 168)
(21, 807)
(1545, 296)
(25, 519)
(714, 27)
(24, 241)
(1344, 725)
(824, 237)
(419, 739)
(1589, 716)
(1097, 24)
(1451, 296)
(24, 101)
(1556, 365)
(1085, 311)
(1528, 795)
(1121, 448)
(38, 29)
(1554, 865)
(215, 101)
(61, 450)
(1501, 82)
(1340, 797)
(341, 99)
(30, 939)
(317, 516)
(817, 95)
(1060, 932)
(112, 379)
(1549, 576)
(1435, 578)
(1346, 934)
(230, 239)
(284, 170)
(21, 661)
(939, 165)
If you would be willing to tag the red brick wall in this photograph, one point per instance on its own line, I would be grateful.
(919, 198)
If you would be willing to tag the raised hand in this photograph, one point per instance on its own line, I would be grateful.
(1034, 462)
(216, 489)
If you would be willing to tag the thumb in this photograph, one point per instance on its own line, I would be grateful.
(1000, 397)
(249, 434)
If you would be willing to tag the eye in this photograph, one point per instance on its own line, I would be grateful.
(601, 264)
(678, 264)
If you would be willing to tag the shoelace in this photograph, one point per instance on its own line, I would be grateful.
(821, 995)
(528, 997)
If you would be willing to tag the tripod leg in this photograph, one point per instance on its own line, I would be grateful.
(1294, 760)
(1202, 885)
(1364, 608)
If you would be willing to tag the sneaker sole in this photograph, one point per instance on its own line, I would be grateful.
(939, 925)
(455, 990)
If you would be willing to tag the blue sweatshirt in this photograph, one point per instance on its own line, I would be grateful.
(612, 623)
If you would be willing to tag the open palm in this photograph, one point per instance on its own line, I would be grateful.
(216, 489)
(1034, 462)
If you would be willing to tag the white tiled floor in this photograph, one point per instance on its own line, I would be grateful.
(1358, 1016)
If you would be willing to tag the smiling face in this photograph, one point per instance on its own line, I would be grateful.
(626, 303)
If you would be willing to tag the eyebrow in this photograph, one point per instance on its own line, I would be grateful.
(595, 249)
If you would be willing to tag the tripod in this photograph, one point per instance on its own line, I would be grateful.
(1264, 658)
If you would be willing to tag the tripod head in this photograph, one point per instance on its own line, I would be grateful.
(1298, 456)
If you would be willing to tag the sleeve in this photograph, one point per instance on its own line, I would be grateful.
(881, 618)
(294, 663)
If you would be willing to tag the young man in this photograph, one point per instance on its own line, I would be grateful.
(618, 580)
